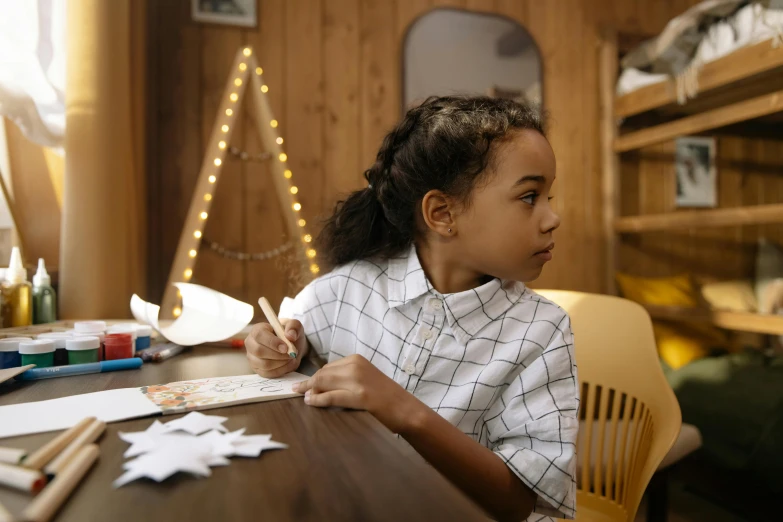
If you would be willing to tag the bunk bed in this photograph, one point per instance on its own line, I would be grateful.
(741, 418)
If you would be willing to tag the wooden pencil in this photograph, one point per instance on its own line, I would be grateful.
(12, 455)
(88, 436)
(43, 455)
(23, 479)
(271, 317)
(46, 504)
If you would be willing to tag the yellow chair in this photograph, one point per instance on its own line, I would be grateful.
(630, 416)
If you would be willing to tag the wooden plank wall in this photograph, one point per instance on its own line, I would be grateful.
(334, 71)
(750, 172)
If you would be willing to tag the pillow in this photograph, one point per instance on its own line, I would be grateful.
(736, 296)
(677, 346)
(661, 291)
(769, 267)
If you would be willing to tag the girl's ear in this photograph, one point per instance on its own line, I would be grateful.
(438, 211)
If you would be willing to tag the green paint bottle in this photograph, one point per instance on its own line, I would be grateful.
(44, 298)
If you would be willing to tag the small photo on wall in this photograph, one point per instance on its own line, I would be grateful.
(696, 174)
(227, 12)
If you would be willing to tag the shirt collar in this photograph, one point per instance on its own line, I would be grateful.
(467, 312)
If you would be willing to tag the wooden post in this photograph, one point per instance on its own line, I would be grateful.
(607, 61)
(244, 73)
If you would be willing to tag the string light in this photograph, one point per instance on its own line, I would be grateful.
(294, 190)
(264, 89)
(283, 156)
(233, 97)
(203, 215)
(224, 128)
(297, 207)
(259, 71)
(247, 51)
(192, 253)
(237, 82)
(177, 311)
(188, 273)
(302, 222)
(222, 144)
(217, 162)
(307, 238)
(229, 112)
(242, 66)
(207, 197)
(212, 178)
(288, 174)
(279, 141)
(310, 253)
(273, 124)
(314, 269)
(197, 234)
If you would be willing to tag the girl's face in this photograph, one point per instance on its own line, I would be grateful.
(506, 231)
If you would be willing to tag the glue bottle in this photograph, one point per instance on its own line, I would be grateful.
(17, 294)
(44, 298)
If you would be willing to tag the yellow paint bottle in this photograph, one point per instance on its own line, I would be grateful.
(17, 308)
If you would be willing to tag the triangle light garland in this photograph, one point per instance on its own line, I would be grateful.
(245, 73)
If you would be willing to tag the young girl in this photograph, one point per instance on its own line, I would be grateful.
(425, 320)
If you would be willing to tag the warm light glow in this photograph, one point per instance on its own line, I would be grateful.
(197, 234)
(222, 145)
(192, 253)
(212, 179)
(224, 128)
(310, 253)
(314, 269)
(283, 156)
(237, 82)
(177, 312)
(242, 66)
(217, 162)
(259, 71)
(302, 222)
(207, 197)
(188, 273)
(307, 238)
(229, 112)
(247, 51)
(294, 190)
(279, 141)
(233, 97)
(203, 215)
(288, 174)
(297, 206)
(264, 88)
(273, 123)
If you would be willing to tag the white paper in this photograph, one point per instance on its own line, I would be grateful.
(207, 316)
(61, 414)
(195, 423)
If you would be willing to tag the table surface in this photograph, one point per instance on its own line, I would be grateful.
(340, 465)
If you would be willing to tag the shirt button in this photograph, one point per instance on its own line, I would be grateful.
(437, 305)
(427, 334)
(410, 369)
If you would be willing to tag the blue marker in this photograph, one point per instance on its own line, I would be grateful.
(80, 369)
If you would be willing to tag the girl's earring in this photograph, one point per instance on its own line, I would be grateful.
(449, 231)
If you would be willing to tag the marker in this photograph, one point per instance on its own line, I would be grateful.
(80, 369)
(271, 317)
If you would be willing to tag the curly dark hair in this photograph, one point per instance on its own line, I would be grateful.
(443, 144)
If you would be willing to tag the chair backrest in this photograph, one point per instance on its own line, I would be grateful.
(625, 392)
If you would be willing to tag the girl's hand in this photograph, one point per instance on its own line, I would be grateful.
(268, 354)
(353, 382)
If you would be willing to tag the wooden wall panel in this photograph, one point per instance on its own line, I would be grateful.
(334, 71)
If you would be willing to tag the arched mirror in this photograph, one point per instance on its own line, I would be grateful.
(450, 51)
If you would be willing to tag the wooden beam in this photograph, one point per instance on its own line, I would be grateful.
(734, 113)
(740, 64)
(740, 321)
(607, 61)
(723, 217)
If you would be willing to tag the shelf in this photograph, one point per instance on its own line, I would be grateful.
(727, 115)
(722, 217)
(739, 321)
(741, 65)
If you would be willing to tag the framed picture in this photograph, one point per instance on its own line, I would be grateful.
(696, 176)
(227, 12)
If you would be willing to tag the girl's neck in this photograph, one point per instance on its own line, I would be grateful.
(444, 271)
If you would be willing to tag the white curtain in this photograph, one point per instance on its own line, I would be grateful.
(32, 68)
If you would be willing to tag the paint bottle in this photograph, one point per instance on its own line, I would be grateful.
(44, 298)
(39, 352)
(60, 353)
(126, 328)
(119, 346)
(93, 329)
(17, 294)
(9, 352)
(82, 350)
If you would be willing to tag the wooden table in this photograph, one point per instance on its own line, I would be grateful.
(341, 465)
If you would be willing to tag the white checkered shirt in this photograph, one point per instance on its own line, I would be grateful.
(496, 361)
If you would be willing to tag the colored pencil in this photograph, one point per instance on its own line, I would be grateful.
(12, 455)
(88, 436)
(271, 317)
(23, 479)
(43, 455)
(35, 374)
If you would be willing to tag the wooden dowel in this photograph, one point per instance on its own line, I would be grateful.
(23, 479)
(47, 452)
(684, 219)
(88, 436)
(45, 505)
(12, 455)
